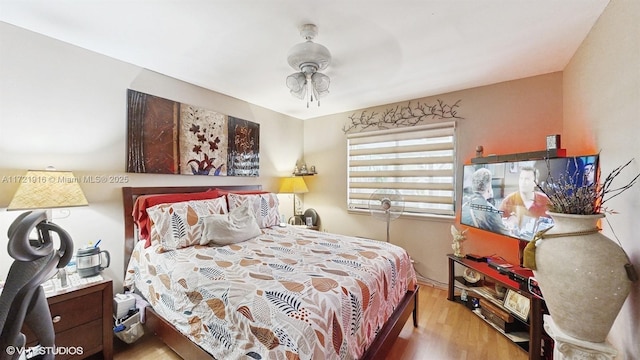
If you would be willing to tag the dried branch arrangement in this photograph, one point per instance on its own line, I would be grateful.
(567, 195)
(402, 116)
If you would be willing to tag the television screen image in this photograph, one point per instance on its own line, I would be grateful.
(503, 197)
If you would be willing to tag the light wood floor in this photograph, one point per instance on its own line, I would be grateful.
(446, 330)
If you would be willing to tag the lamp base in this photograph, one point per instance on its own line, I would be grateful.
(296, 220)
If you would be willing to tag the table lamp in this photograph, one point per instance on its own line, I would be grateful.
(45, 190)
(293, 185)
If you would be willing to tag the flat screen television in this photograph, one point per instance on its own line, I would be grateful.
(503, 197)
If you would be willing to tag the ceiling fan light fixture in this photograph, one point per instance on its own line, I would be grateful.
(296, 83)
(308, 58)
(321, 82)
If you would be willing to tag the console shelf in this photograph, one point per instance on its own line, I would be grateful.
(532, 338)
(533, 155)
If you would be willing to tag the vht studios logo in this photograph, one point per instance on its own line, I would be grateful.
(44, 350)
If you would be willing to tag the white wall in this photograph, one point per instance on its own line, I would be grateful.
(602, 107)
(64, 106)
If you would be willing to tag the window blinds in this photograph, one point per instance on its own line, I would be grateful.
(418, 161)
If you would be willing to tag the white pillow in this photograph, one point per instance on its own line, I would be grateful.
(236, 226)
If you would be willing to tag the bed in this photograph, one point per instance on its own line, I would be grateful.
(287, 293)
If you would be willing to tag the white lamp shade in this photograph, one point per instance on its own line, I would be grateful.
(46, 189)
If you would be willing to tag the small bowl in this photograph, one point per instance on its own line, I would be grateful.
(501, 291)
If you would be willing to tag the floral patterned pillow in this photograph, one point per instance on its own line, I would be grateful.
(180, 224)
(263, 206)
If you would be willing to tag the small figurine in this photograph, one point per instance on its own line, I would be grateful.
(458, 238)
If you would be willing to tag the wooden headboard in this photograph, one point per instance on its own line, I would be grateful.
(129, 195)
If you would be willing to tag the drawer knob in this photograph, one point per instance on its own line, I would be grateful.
(56, 319)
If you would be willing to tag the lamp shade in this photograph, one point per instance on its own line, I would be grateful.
(46, 189)
(293, 185)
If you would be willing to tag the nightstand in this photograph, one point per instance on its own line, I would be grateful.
(306, 227)
(82, 318)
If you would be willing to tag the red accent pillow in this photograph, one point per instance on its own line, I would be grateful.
(143, 202)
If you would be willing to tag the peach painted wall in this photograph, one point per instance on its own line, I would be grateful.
(508, 117)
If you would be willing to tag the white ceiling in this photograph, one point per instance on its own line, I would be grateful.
(383, 51)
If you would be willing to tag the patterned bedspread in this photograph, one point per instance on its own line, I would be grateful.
(289, 293)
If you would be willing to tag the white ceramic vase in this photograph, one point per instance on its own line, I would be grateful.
(582, 277)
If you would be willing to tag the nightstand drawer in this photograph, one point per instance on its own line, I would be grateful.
(86, 339)
(72, 313)
(77, 311)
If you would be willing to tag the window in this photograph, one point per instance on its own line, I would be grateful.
(418, 162)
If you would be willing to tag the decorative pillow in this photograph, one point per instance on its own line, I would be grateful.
(179, 225)
(141, 218)
(263, 206)
(236, 226)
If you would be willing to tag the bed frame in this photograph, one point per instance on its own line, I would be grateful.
(186, 348)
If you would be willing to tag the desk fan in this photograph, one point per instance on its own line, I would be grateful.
(386, 205)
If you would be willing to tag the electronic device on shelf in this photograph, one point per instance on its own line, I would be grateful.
(475, 257)
(522, 276)
(499, 264)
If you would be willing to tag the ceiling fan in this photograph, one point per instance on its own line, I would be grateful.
(309, 58)
(386, 205)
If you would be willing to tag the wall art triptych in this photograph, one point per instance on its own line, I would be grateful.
(168, 137)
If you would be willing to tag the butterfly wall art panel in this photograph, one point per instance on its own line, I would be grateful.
(169, 137)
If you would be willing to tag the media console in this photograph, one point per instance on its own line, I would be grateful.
(538, 344)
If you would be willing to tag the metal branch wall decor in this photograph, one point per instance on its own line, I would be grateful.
(402, 116)
(168, 137)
